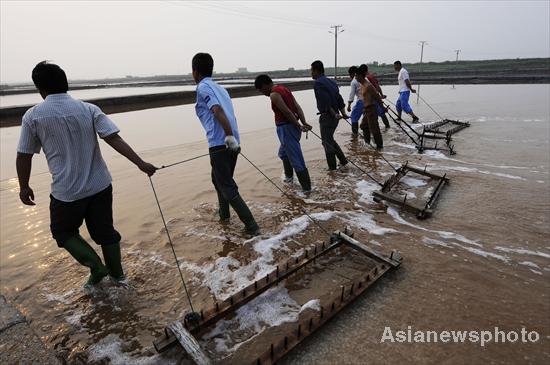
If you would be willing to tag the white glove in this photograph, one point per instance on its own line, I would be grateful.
(231, 143)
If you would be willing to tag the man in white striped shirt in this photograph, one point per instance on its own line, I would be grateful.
(81, 189)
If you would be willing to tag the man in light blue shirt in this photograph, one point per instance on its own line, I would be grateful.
(67, 129)
(215, 111)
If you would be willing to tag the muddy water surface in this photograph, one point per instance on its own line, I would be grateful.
(482, 261)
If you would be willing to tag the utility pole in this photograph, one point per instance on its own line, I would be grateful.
(422, 43)
(457, 51)
(335, 32)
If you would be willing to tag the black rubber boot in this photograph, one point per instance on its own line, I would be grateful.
(385, 120)
(223, 210)
(86, 256)
(111, 255)
(289, 172)
(354, 129)
(305, 181)
(245, 215)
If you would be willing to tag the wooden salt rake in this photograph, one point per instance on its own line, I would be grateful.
(421, 211)
(186, 333)
(433, 131)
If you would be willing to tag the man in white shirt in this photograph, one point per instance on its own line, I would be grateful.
(355, 93)
(405, 89)
(67, 129)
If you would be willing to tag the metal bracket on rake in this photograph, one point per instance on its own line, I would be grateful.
(420, 210)
(421, 146)
(185, 333)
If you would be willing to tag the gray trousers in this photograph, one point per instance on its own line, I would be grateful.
(328, 125)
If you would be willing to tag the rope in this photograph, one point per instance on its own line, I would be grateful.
(183, 161)
(350, 161)
(401, 127)
(190, 159)
(171, 245)
(429, 106)
(286, 194)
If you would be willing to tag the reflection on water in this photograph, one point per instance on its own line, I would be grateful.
(483, 260)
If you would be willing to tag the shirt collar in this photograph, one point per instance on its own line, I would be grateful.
(57, 96)
(204, 79)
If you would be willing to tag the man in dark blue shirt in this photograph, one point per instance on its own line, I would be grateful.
(331, 108)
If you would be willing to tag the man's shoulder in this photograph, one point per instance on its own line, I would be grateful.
(31, 112)
(281, 88)
(209, 84)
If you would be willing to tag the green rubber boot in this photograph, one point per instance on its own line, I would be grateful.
(111, 254)
(86, 256)
(239, 205)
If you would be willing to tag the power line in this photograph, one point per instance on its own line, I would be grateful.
(246, 14)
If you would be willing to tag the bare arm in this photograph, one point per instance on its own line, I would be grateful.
(277, 99)
(23, 164)
(115, 140)
(301, 114)
(376, 96)
(379, 89)
(220, 116)
(408, 83)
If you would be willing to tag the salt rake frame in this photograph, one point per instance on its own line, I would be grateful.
(432, 132)
(434, 127)
(186, 332)
(427, 133)
(420, 211)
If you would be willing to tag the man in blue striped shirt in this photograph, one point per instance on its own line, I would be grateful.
(67, 129)
(215, 112)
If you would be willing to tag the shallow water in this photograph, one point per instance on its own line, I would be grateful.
(482, 261)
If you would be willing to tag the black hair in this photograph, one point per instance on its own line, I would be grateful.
(262, 80)
(362, 70)
(318, 66)
(352, 70)
(49, 78)
(397, 63)
(203, 63)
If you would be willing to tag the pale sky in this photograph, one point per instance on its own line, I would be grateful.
(96, 39)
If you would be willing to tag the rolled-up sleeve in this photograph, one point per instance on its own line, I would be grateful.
(29, 142)
(103, 125)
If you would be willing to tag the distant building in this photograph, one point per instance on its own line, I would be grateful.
(242, 70)
(291, 69)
